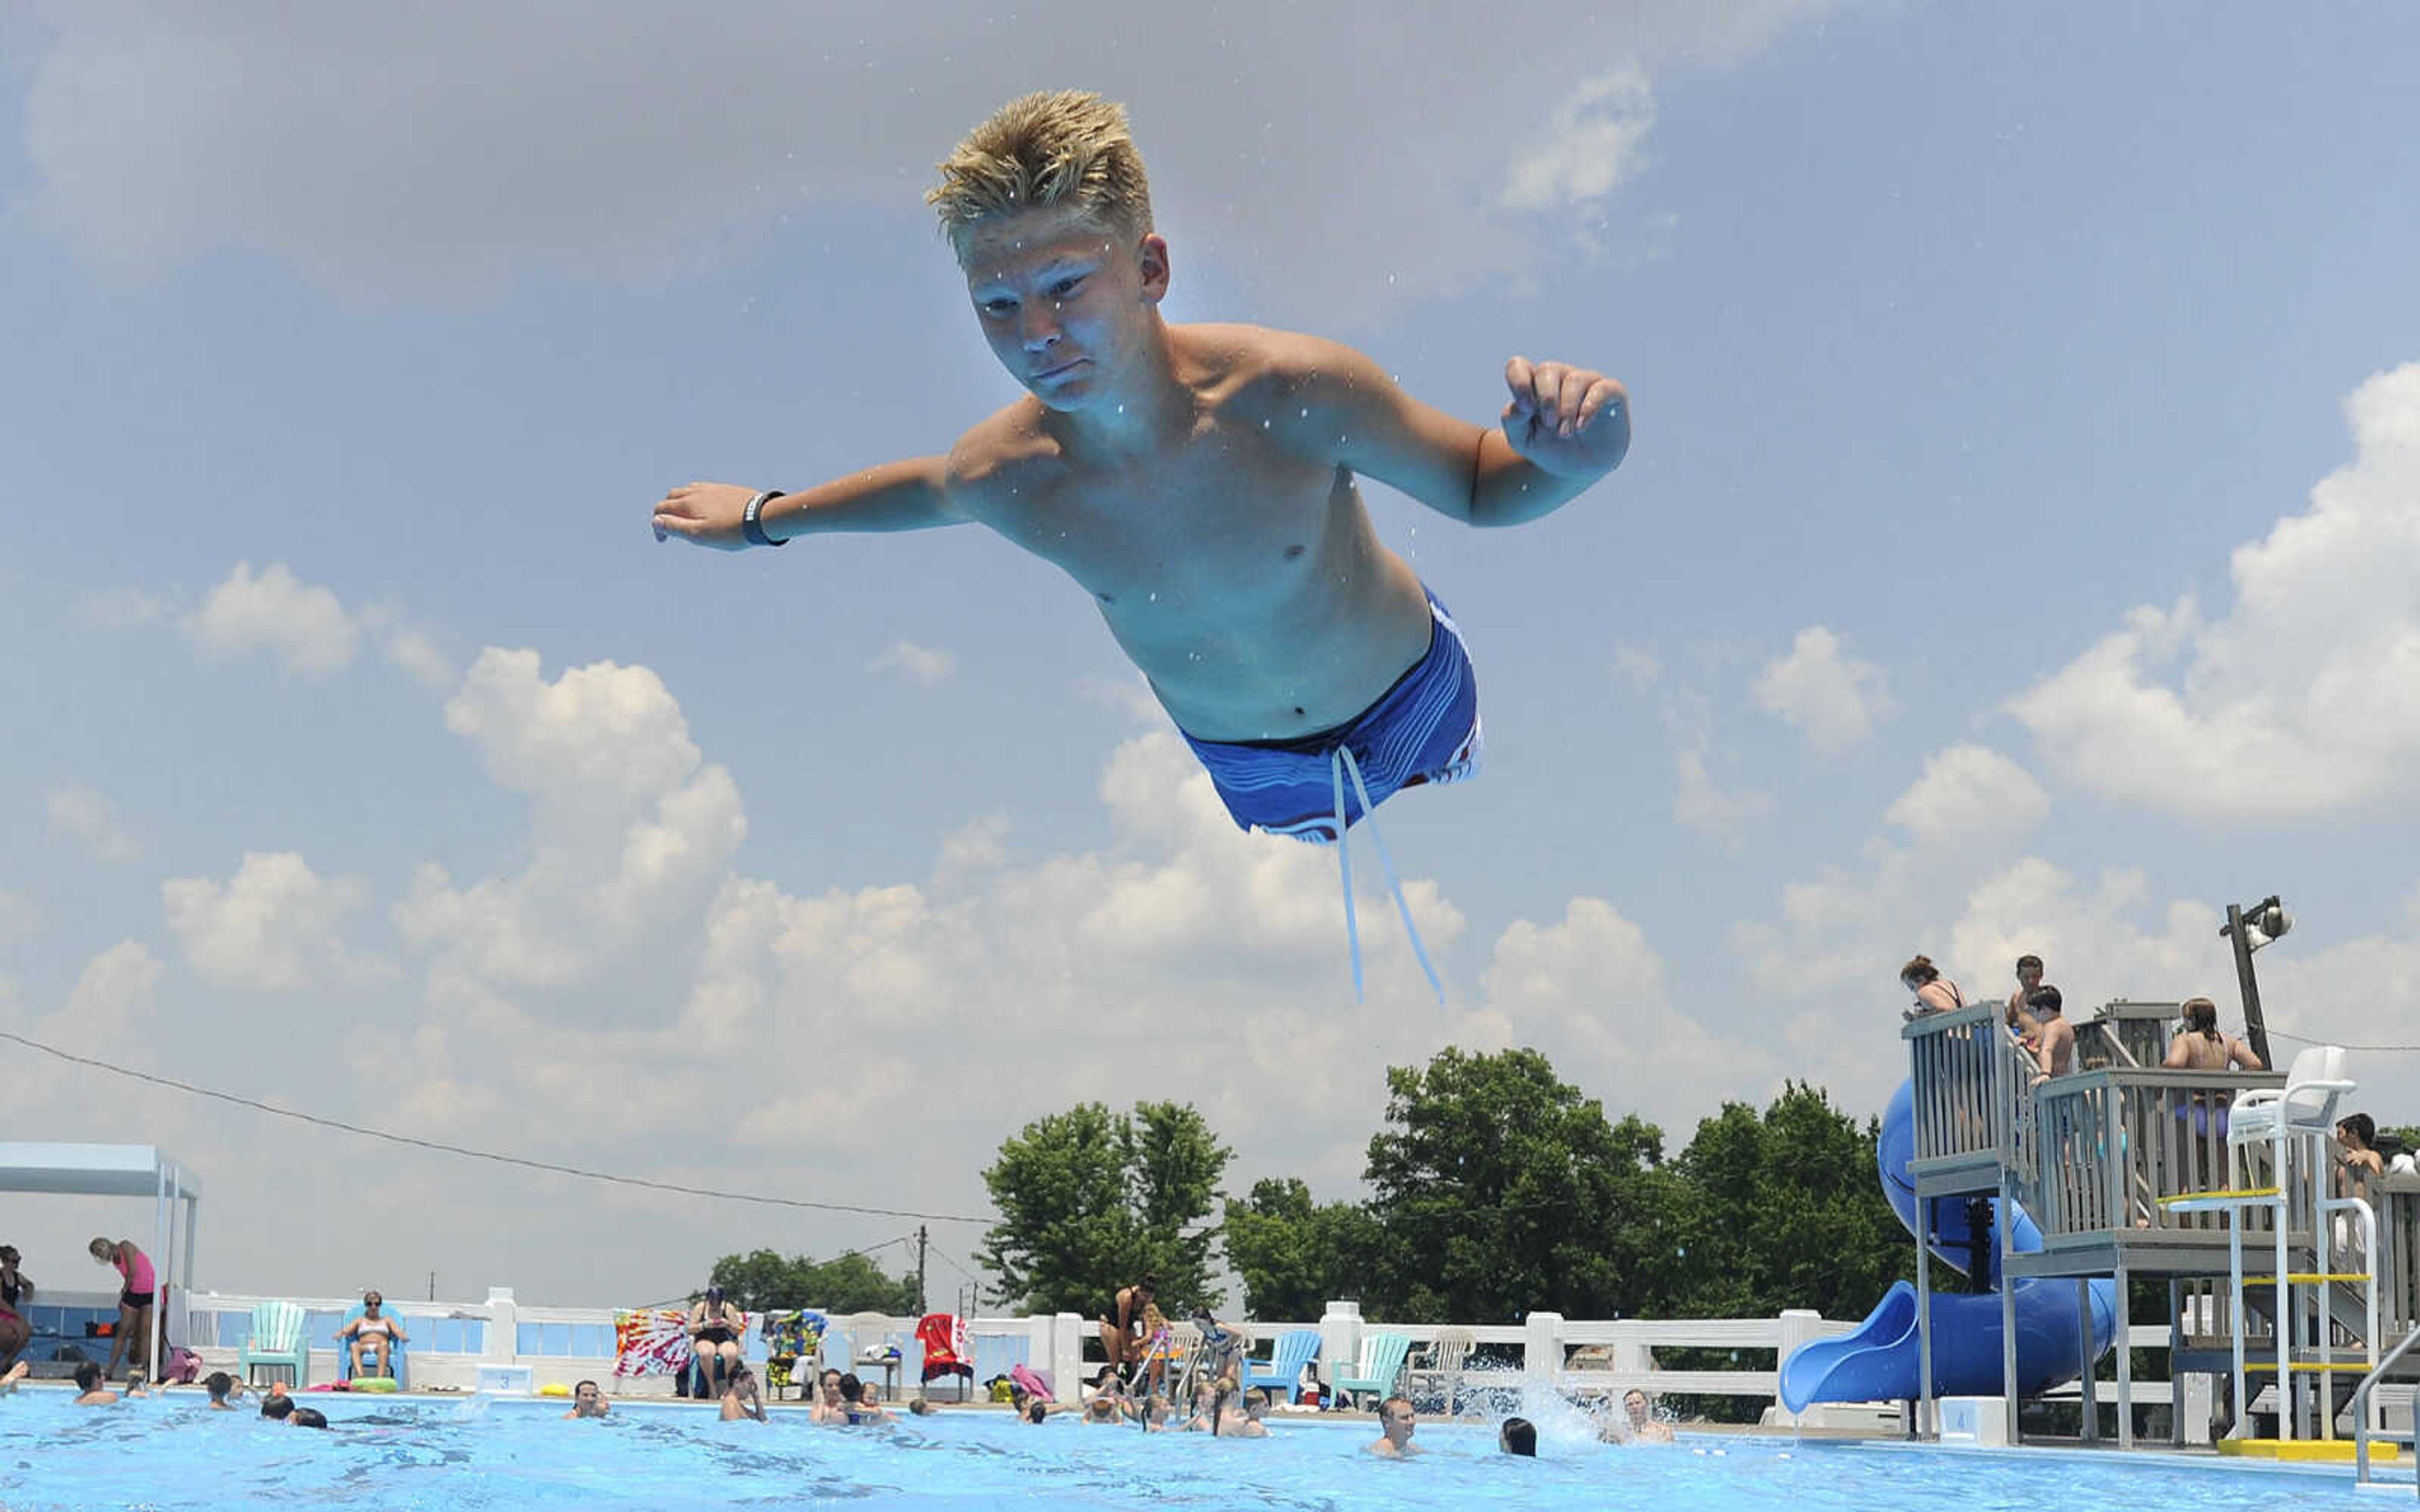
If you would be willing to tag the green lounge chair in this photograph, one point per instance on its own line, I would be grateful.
(277, 1339)
(1380, 1367)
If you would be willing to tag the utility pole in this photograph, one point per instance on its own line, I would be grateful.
(920, 1270)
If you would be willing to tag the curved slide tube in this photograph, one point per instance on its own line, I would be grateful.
(1878, 1361)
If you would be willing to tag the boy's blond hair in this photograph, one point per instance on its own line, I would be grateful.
(1067, 148)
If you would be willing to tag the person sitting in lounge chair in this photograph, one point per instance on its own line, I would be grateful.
(372, 1337)
(715, 1327)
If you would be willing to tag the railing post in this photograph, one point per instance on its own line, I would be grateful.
(1340, 1338)
(1541, 1350)
(1067, 1357)
(504, 1332)
(1799, 1326)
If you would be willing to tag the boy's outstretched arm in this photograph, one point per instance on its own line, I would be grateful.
(1562, 429)
(912, 495)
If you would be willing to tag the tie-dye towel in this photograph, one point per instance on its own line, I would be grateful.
(651, 1341)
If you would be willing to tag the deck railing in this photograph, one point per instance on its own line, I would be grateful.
(452, 1342)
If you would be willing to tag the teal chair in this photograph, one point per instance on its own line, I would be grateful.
(1296, 1349)
(1380, 1367)
(276, 1338)
(344, 1349)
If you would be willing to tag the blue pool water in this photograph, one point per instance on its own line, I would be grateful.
(458, 1456)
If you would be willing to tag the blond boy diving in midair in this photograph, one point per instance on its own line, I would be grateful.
(1199, 482)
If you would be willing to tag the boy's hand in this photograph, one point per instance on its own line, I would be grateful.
(705, 513)
(1564, 420)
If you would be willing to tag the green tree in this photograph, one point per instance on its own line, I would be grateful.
(1783, 1210)
(1294, 1255)
(764, 1280)
(1500, 1190)
(1090, 1199)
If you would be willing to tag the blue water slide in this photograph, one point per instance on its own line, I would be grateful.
(1878, 1361)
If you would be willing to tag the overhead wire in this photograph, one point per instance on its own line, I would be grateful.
(470, 1154)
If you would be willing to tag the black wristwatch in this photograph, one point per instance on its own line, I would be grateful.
(752, 526)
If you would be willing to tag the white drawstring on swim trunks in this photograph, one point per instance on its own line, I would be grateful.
(1339, 763)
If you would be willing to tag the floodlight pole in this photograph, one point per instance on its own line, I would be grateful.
(2256, 1029)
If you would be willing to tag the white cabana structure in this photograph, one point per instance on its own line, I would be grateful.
(123, 1171)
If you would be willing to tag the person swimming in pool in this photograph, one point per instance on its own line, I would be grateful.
(1200, 481)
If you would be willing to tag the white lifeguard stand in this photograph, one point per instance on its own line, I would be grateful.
(122, 1171)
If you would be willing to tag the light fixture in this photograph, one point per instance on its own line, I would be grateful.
(2250, 929)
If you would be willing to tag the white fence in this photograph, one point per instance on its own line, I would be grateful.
(452, 1342)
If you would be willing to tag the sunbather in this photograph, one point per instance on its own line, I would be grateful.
(714, 1329)
(372, 1337)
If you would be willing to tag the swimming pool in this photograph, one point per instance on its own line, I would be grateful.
(458, 1456)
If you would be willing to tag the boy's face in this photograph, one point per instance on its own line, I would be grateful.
(1065, 305)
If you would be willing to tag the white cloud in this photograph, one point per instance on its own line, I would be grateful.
(86, 817)
(1704, 807)
(1636, 665)
(924, 666)
(1833, 700)
(275, 925)
(632, 831)
(1970, 794)
(1595, 140)
(302, 624)
(2304, 699)
(418, 654)
(110, 1004)
(444, 149)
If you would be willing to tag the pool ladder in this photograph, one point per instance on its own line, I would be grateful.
(2361, 1429)
(2278, 1201)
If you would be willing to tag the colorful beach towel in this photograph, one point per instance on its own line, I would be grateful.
(651, 1341)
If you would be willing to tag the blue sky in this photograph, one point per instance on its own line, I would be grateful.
(2017, 551)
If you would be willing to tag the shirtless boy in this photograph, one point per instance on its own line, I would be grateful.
(1199, 481)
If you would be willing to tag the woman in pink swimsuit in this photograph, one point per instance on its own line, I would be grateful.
(137, 1287)
(15, 1287)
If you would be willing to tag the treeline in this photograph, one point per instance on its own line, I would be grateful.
(1495, 1189)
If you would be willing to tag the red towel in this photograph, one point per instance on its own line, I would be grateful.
(946, 1351)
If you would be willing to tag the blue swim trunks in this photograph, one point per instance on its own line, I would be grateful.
(1424, 728)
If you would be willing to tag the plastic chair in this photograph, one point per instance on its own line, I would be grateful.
(1295, 1348)
(276, 1338)
(345, 1350)
(1380, 1365)
(2304, 1108)
(1445, 1360)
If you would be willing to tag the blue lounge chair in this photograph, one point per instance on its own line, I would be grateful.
(345, 1350)
(1295, 1348)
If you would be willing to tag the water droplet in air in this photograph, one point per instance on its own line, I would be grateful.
(1265, 425)
(1155, 598)
(1305, 414)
